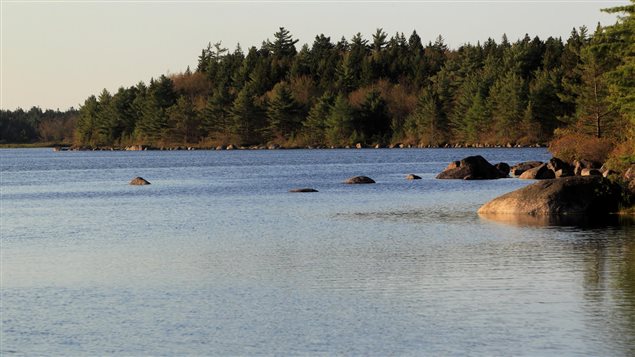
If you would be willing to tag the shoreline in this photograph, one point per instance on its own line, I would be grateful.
(66, 147)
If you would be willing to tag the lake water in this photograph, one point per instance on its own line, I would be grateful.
(216, 257)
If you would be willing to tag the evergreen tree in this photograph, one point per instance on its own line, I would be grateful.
(245, 117)
(315, 124)
(427, 124)
(372, 121)
(183, 121)
(283, 114)
(507, 106)
(339, 124)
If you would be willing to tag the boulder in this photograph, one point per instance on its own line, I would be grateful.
(413, 177)
(590, 172)
(503, 168)
(519, 168)
(303, 190)
(138, 181)
(574, 195)
(473, 168)
(359, 180)
(541, 172)
(578, 165)
(559, 167)
(359, 146)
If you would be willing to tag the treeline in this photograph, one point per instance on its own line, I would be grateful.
(380, 90)
(50, 126)
(377, 91)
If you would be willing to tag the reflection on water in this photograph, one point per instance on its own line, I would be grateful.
(580, 221)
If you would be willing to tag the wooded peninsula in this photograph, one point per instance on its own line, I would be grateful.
(577, 94)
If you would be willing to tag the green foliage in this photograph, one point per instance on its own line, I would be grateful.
(390, 88)
(339, 123)
(283, 114)
(315, 123)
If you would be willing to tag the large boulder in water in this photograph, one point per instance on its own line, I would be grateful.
(575, 195)
(139, 181)
(471, 168)
(359, 180)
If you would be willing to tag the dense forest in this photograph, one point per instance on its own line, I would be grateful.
(377, 90)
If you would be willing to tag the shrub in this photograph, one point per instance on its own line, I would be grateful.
(570, 146)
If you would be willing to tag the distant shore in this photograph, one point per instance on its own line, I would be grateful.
(69, 147)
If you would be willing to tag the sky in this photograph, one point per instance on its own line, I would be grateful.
(54, 54)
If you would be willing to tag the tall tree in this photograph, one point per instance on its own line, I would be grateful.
(283, 114)
(339, 124)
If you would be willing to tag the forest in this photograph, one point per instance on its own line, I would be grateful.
(377, 90)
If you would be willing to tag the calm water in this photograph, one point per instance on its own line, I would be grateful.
(217, 258)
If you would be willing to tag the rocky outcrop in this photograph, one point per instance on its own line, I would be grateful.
(359, 180)
(303, 190)
(574, 195)
(471, 168)
(413, 177)
(541, 172)
(139, 181)
(519, 168)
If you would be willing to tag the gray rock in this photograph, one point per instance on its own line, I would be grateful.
(574, 195)
(139, 181)
(359, 180)
(472, 168)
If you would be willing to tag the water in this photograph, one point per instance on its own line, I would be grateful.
(217, 258)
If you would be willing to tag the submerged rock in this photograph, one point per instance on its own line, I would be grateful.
(138, 181)
(296, 190)
(471, 168)
(575, 195)
(359, 180)
(413, 177)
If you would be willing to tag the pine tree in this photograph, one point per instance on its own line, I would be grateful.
(283, 114)
(339, 124)
(315, 124)
(245, 117)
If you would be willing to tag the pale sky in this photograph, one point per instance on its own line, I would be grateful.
(57, 53)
